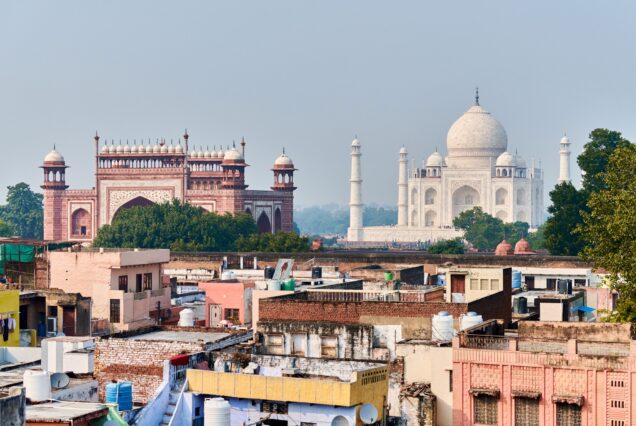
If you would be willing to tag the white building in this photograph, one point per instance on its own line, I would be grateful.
(478, 171)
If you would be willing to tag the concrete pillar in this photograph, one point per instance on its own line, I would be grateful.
(564, 163)
(403, 189)
(355, 232)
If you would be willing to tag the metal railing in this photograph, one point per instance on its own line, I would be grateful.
(484, 342)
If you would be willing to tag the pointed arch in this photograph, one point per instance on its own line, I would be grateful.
(429, 196)
(81, 224)
(135, 202)
(501, 196)
(263, 224)
(278, 221)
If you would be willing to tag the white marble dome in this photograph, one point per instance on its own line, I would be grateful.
(171, 149)
(178, 149)
(127, 149)
(164, 148)
(232, 154)
(520, 162)
(105, 149)
(476, 133)
(283, 160)
(54, 156)
(156, 148)
(134, 148)
(119, 149)
(506, 160)
(355, 142)
(435, 160)
(112, 149)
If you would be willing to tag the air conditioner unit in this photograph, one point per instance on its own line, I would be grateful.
(51, 326)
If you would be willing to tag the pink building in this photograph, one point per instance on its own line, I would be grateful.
(142, 174)
(125, 286)
(229, 300)
(546, 374)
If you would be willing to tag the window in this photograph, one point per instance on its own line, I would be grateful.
(551, 283)
(275, 344)
(450, 380)
(617, 383)
(83, 230)
(274, 407)
(474, 284)
(568, 414)
(148, 281)
(329, 346)
(138, 282)
(526, 412)
(494, 284)
(308, 424)
(617, 404)
(197, 411)
(123, 283)
(114, 311)
(617, 422)
(231, 314)
(485, 410)
(484, 284)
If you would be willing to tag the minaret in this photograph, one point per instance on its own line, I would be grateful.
(355, 200)
(403, 190)
(564, 156)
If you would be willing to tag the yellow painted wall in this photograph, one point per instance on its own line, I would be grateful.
(10, 305)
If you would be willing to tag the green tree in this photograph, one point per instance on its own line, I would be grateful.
(595, 157)
(484, 231)
(537, 238)
(24, 211)
(177, 226)
(454, 246)
(561, 238)
(6, 230)
(609, 228)
(282, 242)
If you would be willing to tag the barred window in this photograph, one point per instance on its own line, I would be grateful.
(474, 284)
(275, 407)
(148, 281)
(494, 284)
(114, 310)
(484, 284)
(485, 410)
(568, 414)
(526, 412)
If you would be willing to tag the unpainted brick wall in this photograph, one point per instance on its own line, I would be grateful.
(136, 361)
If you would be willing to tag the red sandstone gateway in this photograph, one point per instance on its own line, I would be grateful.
(140, 173)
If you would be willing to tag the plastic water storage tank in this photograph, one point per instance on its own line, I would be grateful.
(120, 393)
(186, 318)
(268, 272)
(227, 275)
(289, 285)
(523, 305)
(442, 327)
(469, 320)
(37, 384)
(273, 285)
(516, 279)
(316, 272)
(216, 412)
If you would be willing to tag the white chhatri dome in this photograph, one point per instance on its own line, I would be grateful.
(355, 142)
(520, 162)
(506, 160)
(476, 134)
(435, 160)
(232, 154)
(54, 156)
(283, 160)
(178, 149)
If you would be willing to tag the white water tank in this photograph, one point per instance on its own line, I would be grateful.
(470, 319)
(273, 285)
(216, 412)
(37, 384)
(186, 318)
(227, 275)
(442, 324)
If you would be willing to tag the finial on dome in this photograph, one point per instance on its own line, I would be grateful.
(96, 136)
(283, 150)
(186, 135)
(476, 95)
(53, 147)
(233, 143)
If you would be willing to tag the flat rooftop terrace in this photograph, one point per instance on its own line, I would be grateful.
(180, 336)
(56, 412)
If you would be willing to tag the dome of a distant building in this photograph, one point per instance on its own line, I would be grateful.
(127, 149)
(178, 149)
(403, 150)
(506, 160)
(523, 247)
(156, 149)
(565, 140)
(105, 149)
(141, 149)
(233, 154)
(164, 148)
(119, 149)
(220, 154)
(504, 248)
(520, 162)
(54, 157)
(476, 134)
(134, 148)
(207, 154)
(435, 160)
(355, 142)
(171, 149)
(283, 160)
(112, 149)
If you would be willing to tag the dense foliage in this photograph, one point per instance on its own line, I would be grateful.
(610, 226)
(6, 230)
(282, 242)
(23, 212)
(454, 246)
(537, 238)
(177, 226)
(484, 231)
(332, 219)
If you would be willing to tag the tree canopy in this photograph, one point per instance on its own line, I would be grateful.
(595, 157)
(331, 219)
(454, 246)
(23, 211)
(484, 231)
(609, 228)
(282, 242)
(177, 226)
(6, 230)
(561, 237)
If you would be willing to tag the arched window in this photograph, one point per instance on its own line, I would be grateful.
(430, 218)
(278, 221)
(81, 224)
(429, 196)
(504, 173)
(263, 224)
(501, 214)
(414, 197)
(521, 197)
(501, 196)
(414, 218)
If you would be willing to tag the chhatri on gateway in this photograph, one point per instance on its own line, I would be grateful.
(478, 171)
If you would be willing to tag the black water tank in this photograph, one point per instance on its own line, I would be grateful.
(523, 305)
(316, 273)
(269, 272)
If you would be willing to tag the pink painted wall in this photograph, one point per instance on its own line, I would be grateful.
(230, 294)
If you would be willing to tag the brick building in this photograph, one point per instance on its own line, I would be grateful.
(139, 175)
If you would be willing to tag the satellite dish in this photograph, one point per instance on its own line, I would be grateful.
(368, 414)
(59, 380)
(340, 421)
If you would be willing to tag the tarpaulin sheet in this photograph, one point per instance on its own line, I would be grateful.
(15, 253)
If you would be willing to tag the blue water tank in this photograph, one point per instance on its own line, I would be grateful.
(516, 279)
(120, 393)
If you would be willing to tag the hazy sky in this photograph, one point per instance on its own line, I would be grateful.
(309, 76)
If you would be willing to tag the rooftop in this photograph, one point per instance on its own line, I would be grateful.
(180, 336)
(64, 411)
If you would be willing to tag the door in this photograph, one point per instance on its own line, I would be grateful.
(68, 321)
(458, 283)
(530, 282)
(215, 315)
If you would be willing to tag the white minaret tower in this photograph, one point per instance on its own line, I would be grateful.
(403, 189)
(355, 200)
(564, 156)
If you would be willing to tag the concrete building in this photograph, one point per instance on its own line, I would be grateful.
(66, 413)
(288, 390)
(125, 285)
(141, 174)
(545, 374)
(49, 312)
(10, 317)
(227, 300)
(468, 284)
(12, 406)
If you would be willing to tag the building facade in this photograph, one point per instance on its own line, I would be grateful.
(139, 175)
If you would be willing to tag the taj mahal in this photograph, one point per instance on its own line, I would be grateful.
(479, 170)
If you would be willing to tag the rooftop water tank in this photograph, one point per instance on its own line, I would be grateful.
(523, 305)
(268, 272)
(120, 393)
(516, 279)
(227, 275)
(442, 327)
(469, 320)
(216, 412)
(273, 285)
(37, 384)
(289, 285)
(316, 272)
(186, 318)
